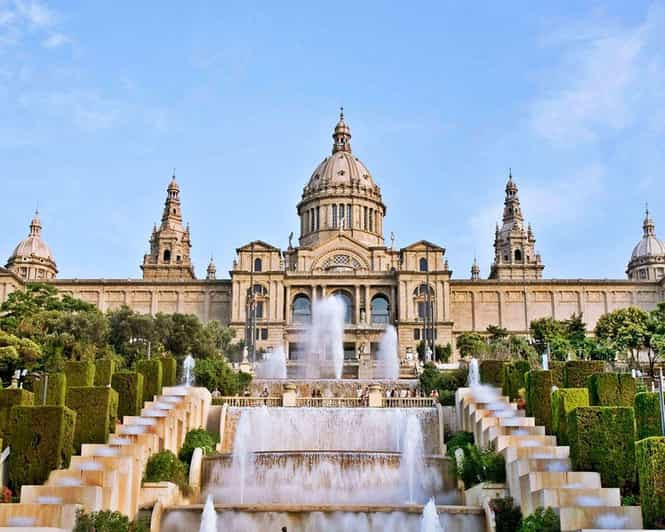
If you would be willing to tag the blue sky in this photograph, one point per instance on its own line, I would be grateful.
(99, 101)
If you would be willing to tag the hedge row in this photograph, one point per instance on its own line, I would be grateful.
(647, 415)
(41, 439)
(152, 377)
(104, 368)
(56, 390)
(97, 411)
(538, 397)
(513, 377)
(611, 389)
(491, 372)
(564, 401)
(129, 386)
(8, 398)
(650, 458)
(169, 371)
(602, 439)
(578, 371)
(80, 373)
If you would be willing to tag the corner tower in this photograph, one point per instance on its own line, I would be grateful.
(169, 257)
(341, 196)
(647, 263)
(514, 253)
(32, 259)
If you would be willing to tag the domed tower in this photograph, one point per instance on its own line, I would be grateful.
(341, 196)
(211, 272)
(32, 259)
(170, 245)
(514, 253)
(647, 263)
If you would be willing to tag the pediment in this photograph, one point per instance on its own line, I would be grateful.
(257, 245)
(423, 245)
(341, 255)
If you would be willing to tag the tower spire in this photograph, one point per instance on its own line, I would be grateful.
(342, 135)
(648, 225)
(36, 225)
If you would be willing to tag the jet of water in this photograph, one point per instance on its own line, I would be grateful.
(188, 369)
(325, 347)
(413, 457)
(388, 356)
(430, 520)
(273, 365)
(474, 373)
(209, 517)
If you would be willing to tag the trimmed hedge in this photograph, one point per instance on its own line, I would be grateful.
(564, 401)
(129, 386)
(41, 440)
(558, 369)
(539, 397)
(55, 392)
(611, 389)
(602, 439)
(513, 377)
(578, 371)
(104, 369)
(97, 409)
(80, 373)
(647, 415)
(650, 458)
(152, 377)
(169, 371)
(9, 398)
(491, 372)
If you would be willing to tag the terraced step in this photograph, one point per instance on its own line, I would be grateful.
(563, 497)
(503, 442)
(600, 517)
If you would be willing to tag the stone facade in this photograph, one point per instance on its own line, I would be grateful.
(341, 250)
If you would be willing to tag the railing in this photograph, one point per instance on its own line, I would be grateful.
(247, 401)
(331, 402)
(408, 402)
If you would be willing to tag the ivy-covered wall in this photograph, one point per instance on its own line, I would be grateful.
(129, 385)
(104, 368)
(602, 439)
(578, 371)
(169, 371)
(80, 373)
(9, 398)
(611, 389)
(96, 409)
(647, 415)
(538, 397)
(152, 377)
(513, 377)
(650, 458)
(41, 439)
(564, 401)
(55, 391)
(491, 372)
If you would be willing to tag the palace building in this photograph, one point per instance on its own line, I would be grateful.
(341, 250)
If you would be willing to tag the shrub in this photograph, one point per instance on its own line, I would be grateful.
(541, 521)
(481, 465)
(41, 439)
(538, 397)
(129, 386)
(513, 377)
(56, 390)
(197, 438)
(152, 377)
(602, 439)
(459, 440)
(447, 398)
(214, 373)
(165, 467)
(611, 389)
(97, 410)
(650, 458)
(80, 373)
(105, 521)
(558, 370)
(433, 379)
(104, 368)
(647, 415)
(507, 516)
(564, 401)
(491, 372)
(169, 371)
(578, 371)
(9, 398)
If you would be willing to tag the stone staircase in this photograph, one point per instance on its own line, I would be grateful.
(108, 476)
(538, 471)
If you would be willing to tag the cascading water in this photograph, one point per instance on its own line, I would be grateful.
(412, 463)
(188, 369)
(209, 517)
(325, 346)
(273, 365)
(388, 355)
(545, 361)
(474, 373)
(430, 520)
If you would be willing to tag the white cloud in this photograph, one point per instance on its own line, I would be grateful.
(20, 19)
(610, 78)
(56, 40)
(35, 12)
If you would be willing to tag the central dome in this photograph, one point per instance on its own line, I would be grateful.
(32, 258)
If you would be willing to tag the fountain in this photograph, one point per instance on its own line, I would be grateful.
(474, 373)
(412, 464)
(273, 365)
(209, 517)
(325, 345)
(388, 356)
(188, 370)
(430, 520)
(545, 361)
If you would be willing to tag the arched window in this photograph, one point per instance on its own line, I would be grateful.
(380, 309)
(422, 290)
(518, 254)
(258, 265)
(167, 255)
(423, 265)
(301, 309)
(348, 305)
(260, 290)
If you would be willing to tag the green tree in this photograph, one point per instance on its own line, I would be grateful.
(215, 373)
(471, 344)
(496, 333)
(627, 329)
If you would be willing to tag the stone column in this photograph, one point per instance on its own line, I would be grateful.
(206, 306)
(446, 301)
(153, 302)
(287, 306)
(357, 303)
(368, 305)
(473, 311)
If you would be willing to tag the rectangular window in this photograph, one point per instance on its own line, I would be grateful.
(259, 310)
(264, 334)
(334, 207)
(349, 223)
(371, 220)
(340, 212)
(416, 334)
(296, 351)
(365, 218)
(317, 218)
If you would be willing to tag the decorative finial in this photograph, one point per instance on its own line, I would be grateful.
(341, 113)
(174, 172)
(646, 208)
(510, 173)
